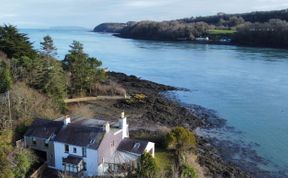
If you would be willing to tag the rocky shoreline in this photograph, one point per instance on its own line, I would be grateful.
(162, 109)
(154, 109)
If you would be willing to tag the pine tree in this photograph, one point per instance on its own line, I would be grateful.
(49, 78)
(47, 47)
(5, 77)
(84, 71)
(15, 44)
(6, 84)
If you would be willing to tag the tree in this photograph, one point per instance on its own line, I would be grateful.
(148, 166)
(15, 44)
(24, 160)
(49, 78)
(6, 137)
(6, 84)
(5, 77)
(84, 70)
(180, 140)
(47, 47)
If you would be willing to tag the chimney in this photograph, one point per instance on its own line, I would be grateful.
(123, 125)
(106, 127)
(67, 120)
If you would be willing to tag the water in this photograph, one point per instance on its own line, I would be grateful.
(246, 86)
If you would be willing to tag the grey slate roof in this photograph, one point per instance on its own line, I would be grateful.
(133, 146)
(43, 128)
(79, 135)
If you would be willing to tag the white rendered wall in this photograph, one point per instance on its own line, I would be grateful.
(90, 159)
(150, 148)
(91, 162)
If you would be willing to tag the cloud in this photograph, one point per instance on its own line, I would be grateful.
(89, 13)
(148, 3)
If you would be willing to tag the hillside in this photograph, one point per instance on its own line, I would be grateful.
(257, 16)
(110, 27)
(265, 28)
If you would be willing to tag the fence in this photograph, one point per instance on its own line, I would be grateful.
(39, 171)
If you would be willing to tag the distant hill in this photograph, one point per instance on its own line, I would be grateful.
(263, 28)
(68, 28)
(220, 20)
(257, 16)
(110, 27)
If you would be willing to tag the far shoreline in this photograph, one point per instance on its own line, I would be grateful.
(197, 42)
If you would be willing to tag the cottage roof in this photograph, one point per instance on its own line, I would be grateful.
(133, 146)
(80, 135)
(44, 128)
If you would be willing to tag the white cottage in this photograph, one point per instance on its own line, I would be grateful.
(86, 147)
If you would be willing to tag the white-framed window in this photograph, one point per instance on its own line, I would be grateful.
(66, 148)
(84, 152)
(74, 150)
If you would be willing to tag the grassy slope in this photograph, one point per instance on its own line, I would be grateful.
(221, 32)
(163, 159)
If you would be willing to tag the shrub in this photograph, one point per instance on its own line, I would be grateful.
(24, 160)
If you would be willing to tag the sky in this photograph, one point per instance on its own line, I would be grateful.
(89, 13)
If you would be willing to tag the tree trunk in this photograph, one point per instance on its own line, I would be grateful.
(9, 109)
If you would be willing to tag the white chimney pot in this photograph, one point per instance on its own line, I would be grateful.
(67, 120)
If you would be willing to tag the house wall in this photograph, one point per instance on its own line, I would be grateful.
(90, 159)
(106, 148)
(40, 146)
(150, 148)
(40, 143)
(51, 154)
(91, 162)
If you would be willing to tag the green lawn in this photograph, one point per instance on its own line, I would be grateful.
(163, 159)
(221, 32)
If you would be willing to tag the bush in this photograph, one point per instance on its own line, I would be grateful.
(111, 89)
(180, 139)
(148, 166)
(187, 171)
(24, 160)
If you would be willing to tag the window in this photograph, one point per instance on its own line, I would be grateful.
(74, 150)
(34, 140)
(84, 152)
(84, 166)
(112, 144)
(46, 143)
(136, 146)
(66, 148)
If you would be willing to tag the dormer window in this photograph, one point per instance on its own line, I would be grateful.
(92, 141)
(74, 150)
(136, 146)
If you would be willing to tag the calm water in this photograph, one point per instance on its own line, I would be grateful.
(246, 86)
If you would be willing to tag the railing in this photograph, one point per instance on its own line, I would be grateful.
(73, 100)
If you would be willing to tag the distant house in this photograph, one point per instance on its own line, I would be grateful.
(86, 147)
(225, 40)
(202, 39)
